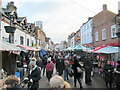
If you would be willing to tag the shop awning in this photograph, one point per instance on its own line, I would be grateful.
(108, 50)
(71, 48)
(26, 48)
(79, 48)
(5, 46)
(97, 48)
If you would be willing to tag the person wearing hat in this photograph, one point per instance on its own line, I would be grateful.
(34, 75)
(57, 82)
(49, 69)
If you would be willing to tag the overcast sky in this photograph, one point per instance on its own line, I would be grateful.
(61, 17)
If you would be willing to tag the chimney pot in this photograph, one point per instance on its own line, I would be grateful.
(104, 7)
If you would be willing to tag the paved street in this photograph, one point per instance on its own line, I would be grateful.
(97, 82)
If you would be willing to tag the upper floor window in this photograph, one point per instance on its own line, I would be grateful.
(113, 31)
(21, 40)
(103, 34)
(96, 36)
(11, 37)
(32, 43)
(27, 42)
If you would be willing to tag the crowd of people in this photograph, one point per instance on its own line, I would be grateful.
(66, 65)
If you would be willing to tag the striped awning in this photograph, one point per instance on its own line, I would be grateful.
(5, 46)
(26, 48)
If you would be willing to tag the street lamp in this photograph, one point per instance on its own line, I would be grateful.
(10, 29)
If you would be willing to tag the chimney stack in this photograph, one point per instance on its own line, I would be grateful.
(104, 7)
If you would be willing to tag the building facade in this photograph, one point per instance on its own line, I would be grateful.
(77, 38)
(86, 33)
(26, 34)
(49, 44)
(105, 28)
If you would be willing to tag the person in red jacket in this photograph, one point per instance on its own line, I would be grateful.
(49, 69)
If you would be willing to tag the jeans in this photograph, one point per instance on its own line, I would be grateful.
(65, 75)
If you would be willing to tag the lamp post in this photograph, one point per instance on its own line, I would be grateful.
(10, 29)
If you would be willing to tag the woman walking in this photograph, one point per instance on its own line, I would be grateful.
(77, 73)
(49, 69)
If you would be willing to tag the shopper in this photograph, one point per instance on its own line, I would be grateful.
(60, 65)
(12, 82)
(77, 73)
(34, 75)
(108, 70)
(57, 83)
(88, 69)
(49, 69)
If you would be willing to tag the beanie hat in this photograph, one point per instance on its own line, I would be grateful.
(57, 82)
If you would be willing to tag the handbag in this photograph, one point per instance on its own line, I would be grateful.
(79, 70)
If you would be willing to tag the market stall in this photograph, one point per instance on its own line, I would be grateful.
(9, 54)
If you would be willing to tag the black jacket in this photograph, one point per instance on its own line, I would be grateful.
(108, 75)
(35, 76)
(74, 67)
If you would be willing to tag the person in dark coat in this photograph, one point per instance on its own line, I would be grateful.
(39, 62)
(34, 76)
(60, 65)
(88, 69)
(108, 70)
(117, 75)
(77, 75)
(44, 63)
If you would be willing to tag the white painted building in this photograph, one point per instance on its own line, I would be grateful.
(72, 42)
(20, 37)
(86, 32)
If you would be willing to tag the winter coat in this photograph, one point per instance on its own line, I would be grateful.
(49, 66)
(35, 76)
(60, 65)
(44, 62)
(74, 67)
(108, 70)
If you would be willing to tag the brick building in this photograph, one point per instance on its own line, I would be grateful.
(104, 28)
